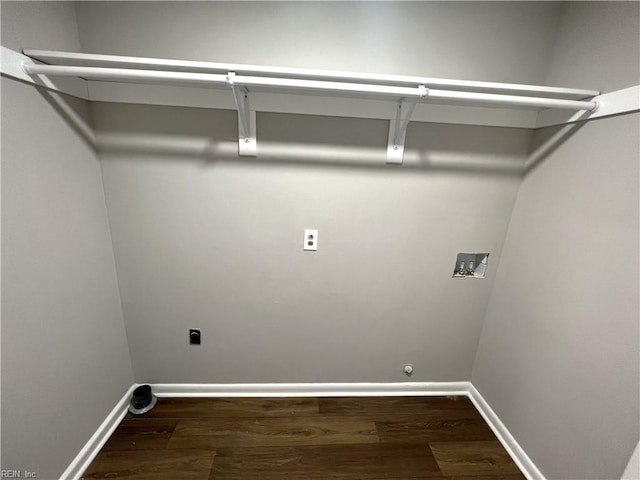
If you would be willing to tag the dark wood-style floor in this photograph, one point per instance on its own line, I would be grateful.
(360, 438)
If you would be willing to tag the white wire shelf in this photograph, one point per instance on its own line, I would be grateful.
(295, 90)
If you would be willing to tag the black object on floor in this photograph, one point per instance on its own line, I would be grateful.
(142, 400)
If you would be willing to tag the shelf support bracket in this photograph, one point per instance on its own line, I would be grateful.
(247, 144)
(398, 127)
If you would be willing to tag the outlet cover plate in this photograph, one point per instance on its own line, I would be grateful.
(310, 239)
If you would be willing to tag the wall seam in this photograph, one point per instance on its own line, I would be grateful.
(113, 251)
(497, 267)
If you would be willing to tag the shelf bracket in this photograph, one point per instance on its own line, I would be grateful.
(398, 128)
(247, 144)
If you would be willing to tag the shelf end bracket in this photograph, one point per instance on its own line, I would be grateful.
(247, 144)
(398, 127)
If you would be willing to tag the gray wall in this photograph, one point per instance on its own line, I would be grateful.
(597, 46)
(46, 25)
(558, 357)
(500, 41)
(65, 361)
(205, 239)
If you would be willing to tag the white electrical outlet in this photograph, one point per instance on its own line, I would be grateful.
(311, 239)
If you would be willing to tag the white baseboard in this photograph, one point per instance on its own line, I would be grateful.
(86, 455)
(423, 389)
(633, 467)
(309, 389)
(510, 444)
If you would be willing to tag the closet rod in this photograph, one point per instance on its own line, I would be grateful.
(126, 75)
(144, 63)
(135, 75)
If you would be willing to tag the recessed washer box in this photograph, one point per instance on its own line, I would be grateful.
(471, 265)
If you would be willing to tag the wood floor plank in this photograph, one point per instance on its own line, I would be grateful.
(472, 477)
(233, 407)
(147, 434)
(440, 407)
(364, 438)
(279, 431)
(147, 425)
(152, 465)
(361, 462)
(419, 430)
(413, 417)
(137, 441)
(515, 476)
(473, 458)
